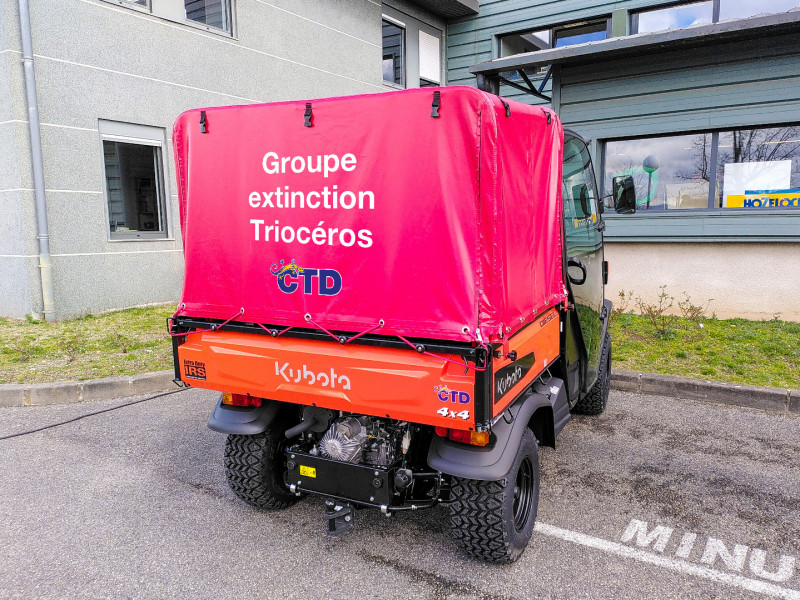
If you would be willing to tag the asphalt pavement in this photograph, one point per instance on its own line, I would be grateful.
(657, 498)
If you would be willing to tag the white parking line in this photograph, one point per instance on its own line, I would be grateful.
(680, 566)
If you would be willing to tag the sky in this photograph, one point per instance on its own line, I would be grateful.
(701, 13)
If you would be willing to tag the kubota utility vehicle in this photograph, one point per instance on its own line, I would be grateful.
(400, 297)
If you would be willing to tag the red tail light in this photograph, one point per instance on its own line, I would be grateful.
(474, 438)
(240, 400)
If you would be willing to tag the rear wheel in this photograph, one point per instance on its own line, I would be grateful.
(493, 520)
(254, 467)
(595, 400)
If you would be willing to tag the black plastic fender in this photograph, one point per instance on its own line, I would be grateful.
(243, 420)
(494, 462)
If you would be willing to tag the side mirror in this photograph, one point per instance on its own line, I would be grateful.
(582, 193)
(624, 194)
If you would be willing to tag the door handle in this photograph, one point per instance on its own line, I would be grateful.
(573, 261)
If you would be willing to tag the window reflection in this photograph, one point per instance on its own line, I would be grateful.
(668, 173)
(544, 39)
(755, 169)
(759, 168)
(393, 54)
(590, 32)
(698, 13)
(740, 9)
(702, 13)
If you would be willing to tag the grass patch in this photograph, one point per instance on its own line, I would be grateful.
(749, 352)
(126, 342)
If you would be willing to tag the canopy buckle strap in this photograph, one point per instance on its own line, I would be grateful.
(507, 106)
(437, 100)
(214, 327)
(307, 115)
(421, 349)
(203, 122)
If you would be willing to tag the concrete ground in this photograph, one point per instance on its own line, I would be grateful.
(657, 498)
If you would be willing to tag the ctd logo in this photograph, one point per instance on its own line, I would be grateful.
(445, 394)
(329, 281)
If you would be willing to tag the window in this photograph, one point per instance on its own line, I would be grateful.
(556, 37)
(758, 168)
(430, 60)
(580, 34)
(393, 53)
(740, 9)
(213, 13)
(739, 169)
(133, 167)
(674, 17)
(702, 13)
(579, 195)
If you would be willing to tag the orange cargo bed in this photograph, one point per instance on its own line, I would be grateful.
(365, 379)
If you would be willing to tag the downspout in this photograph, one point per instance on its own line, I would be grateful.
(43, 235)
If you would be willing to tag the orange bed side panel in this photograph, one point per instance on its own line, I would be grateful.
(537, 346)
(382, 382)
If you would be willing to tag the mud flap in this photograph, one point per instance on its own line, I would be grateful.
(495, 461)
(243, 420)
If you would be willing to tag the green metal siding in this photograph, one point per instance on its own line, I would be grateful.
(471, 40)
(727, 85)
(723, 86)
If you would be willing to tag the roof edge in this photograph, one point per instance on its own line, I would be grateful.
(589, 52)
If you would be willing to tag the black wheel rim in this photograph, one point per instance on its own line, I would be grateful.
(523, 494)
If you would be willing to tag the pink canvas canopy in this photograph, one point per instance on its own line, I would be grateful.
(443, 227)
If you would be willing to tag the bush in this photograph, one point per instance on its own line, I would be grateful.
(693, 312)
(656, 313)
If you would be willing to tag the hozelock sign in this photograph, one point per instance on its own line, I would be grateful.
(765, 199)
(753, 184)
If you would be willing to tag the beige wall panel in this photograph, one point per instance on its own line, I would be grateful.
(751, 281)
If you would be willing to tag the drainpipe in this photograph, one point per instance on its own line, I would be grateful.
(43, 235)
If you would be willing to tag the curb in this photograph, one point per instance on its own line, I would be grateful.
(750, 396)
(71, 392)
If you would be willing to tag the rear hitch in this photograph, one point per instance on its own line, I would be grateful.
(340, 516)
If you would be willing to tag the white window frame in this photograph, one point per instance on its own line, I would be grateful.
(401, 25)
(143, 135)
(175, 12)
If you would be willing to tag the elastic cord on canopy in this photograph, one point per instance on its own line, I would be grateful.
(213, 327)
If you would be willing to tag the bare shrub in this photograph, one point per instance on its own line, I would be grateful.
(691, 311)
(656, 313)
(623, 305)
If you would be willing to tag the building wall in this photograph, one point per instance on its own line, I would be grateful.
(98, 60)
(752, 281)
(19, 282)
(708, 254)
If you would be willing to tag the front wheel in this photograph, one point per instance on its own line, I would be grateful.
(493, 520)
(254, 466)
